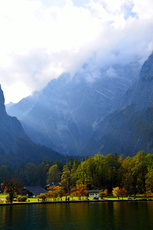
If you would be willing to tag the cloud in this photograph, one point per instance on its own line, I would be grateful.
(40, 39)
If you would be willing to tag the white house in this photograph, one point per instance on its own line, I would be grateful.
(94, 193)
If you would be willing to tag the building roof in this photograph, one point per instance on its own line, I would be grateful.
(53, 183)
(95, 191)
(35, 190)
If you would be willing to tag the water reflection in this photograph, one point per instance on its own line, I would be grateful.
(105, 216)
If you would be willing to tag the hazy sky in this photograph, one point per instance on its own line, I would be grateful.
(40, 39)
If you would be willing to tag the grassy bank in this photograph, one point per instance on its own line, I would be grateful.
(68, 198)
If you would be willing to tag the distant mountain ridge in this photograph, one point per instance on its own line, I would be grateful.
(129, 129)
(67, 112)
(15, 145)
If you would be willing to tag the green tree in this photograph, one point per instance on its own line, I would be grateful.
(91, 172)
(54, 174)
(111, 170)
(41, 174)
(82, 174)
(73, 172)
(140, 170)
(128, 176)
(149, 161)
(149, 180)
(28, 174)
(4, 173)
(100, 164)
(66, 178)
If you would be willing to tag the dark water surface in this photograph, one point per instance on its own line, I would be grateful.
(108, 215)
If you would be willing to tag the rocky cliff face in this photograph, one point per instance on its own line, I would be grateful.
(146, 73)
(15, 145)
(141, 94)
(10, 128)
(2, 107)
(129, 129)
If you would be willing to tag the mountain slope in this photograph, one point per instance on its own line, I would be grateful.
(68, 110)
(129, 129)
(15, 145)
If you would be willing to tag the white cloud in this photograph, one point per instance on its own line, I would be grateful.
(22, 89)
(144, 9)
(40, 39)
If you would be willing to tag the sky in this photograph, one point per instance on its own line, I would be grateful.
(41, 39)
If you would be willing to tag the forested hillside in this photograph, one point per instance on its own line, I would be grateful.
(135, 174)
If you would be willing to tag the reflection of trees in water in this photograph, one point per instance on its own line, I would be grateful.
(3, 215)
(12, 216)
(132, 214)
(69, 214)
(6, 216)
(107, 215)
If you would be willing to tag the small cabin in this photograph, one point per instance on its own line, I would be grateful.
(33, 191)
(94, 193)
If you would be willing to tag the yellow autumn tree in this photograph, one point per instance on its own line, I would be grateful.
(116, 192)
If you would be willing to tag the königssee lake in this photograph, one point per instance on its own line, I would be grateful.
(81, 216)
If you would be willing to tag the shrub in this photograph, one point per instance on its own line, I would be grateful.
(21, 198)
(7, 198)
(42, 196)
(102, 194)
(149, 193)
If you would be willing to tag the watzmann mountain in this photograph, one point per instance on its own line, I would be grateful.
(67, 113)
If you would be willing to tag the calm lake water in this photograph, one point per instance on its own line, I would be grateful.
(81, 216)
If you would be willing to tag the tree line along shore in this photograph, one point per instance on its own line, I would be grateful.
(127, 175)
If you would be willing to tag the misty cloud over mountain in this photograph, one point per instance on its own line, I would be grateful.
(60, 36)
(66, 113)
(130, 128)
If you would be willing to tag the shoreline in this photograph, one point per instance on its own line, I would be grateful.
(71, 201)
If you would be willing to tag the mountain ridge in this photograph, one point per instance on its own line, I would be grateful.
(68, 110)
(129, 129)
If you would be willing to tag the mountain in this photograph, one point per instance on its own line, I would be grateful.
(15, 145)
(69, 109)
(130, 128)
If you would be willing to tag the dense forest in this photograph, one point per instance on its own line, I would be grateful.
(135, 173)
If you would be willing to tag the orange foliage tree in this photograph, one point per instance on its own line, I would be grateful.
(81, 190)
(50, 194)
(119, 192)
(149, 193)
(11, 186)
(123, 192)
(56, 191)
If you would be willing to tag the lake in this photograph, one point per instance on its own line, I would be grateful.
(81, 216)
